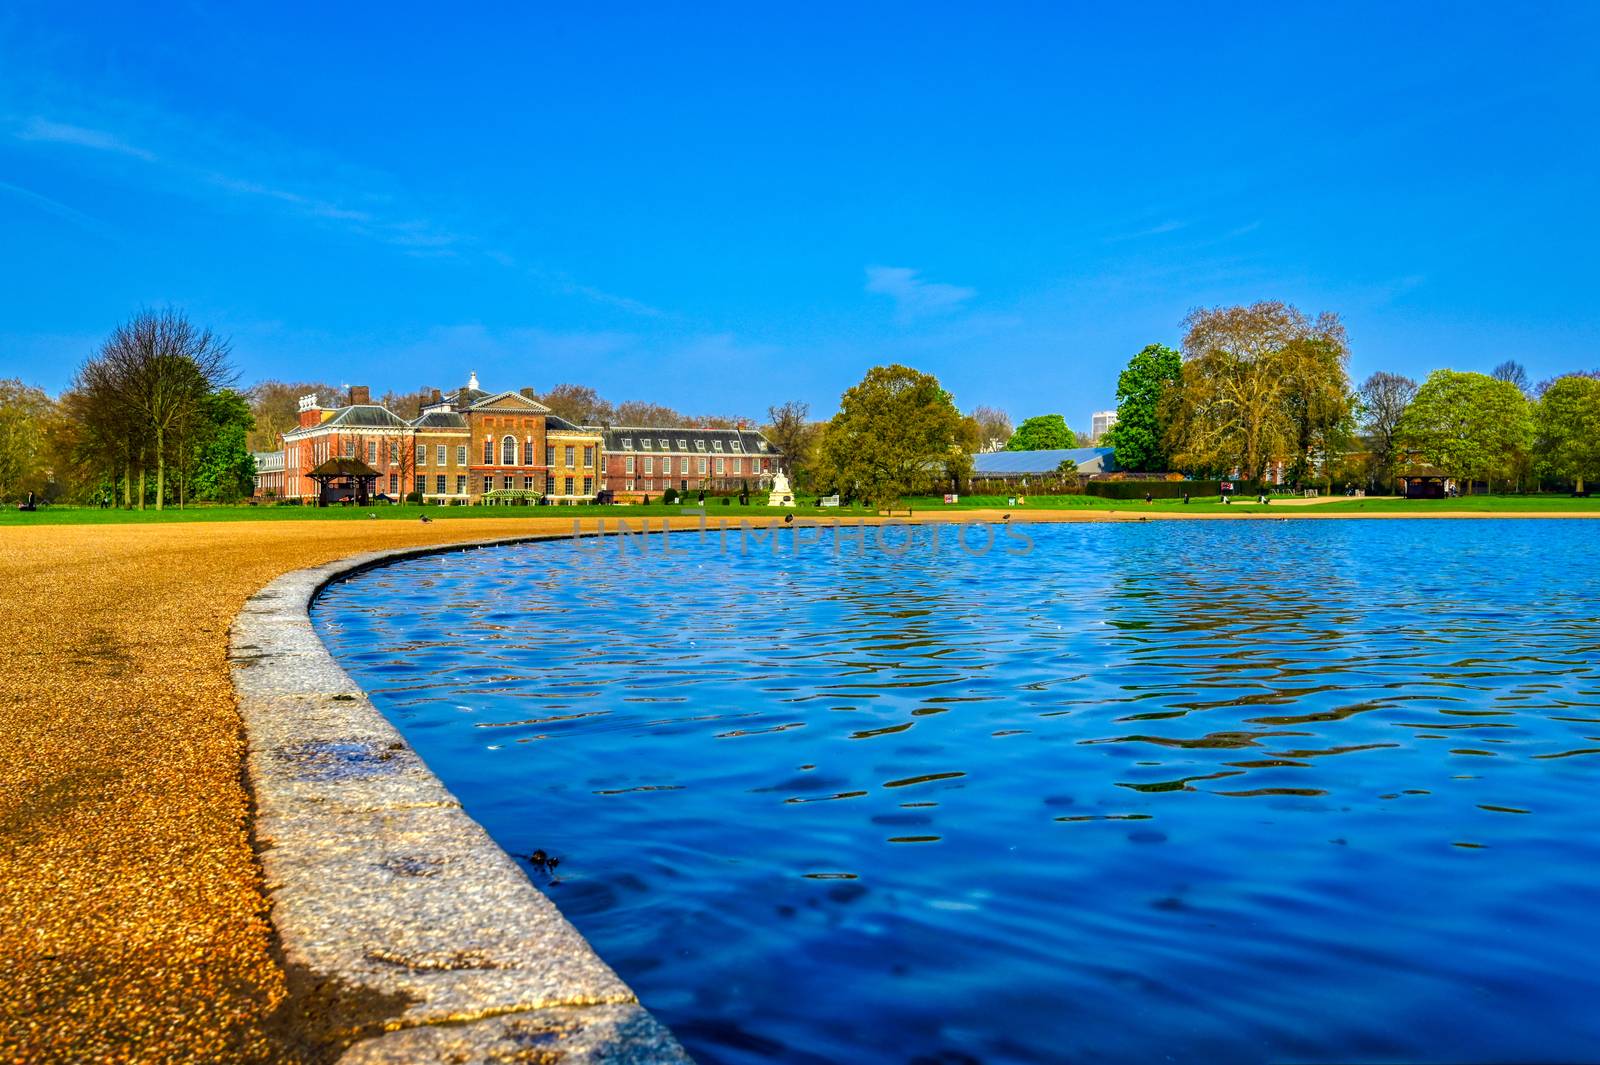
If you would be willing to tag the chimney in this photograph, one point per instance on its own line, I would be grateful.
(310, 413)
(438, 397)
(360, 394)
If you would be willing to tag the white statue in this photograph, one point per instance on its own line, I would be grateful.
(781, 496)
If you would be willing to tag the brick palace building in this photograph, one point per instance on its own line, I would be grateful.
(474, 446)
(641, 460)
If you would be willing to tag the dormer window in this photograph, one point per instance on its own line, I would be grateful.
(716, 445)
(699, 445)
(627, 443)
(666, 445)
(736, 445)
(683, 445)
(762, 445)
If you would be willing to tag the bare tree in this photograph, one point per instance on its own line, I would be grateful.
(276, 406)
(994, 428)
(578, 404)
(653, 415)
(161, 367)
(1514, 373)
(793, 433)
(1384, 398)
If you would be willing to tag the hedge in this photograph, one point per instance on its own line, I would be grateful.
(1163, 489)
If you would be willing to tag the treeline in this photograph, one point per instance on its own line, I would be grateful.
(1266, 388)
(150, 419)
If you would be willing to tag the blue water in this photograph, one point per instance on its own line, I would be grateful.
(1223, 791)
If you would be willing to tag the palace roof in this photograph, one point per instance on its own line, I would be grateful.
(1020, 463)
(651, 440)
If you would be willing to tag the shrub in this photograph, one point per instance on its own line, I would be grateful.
(1160, 489)
(669, 497)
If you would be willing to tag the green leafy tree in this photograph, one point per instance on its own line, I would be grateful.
(1259, 385)
(25, 413)
(1566, 423)
(1044, 432)
(224, 468)
(1139, 435)
(1321, 408)
(1469, 425)
(897, 433)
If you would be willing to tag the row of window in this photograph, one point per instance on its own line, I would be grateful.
(723, 466)
(505, 482)
(649, 484)
(441, 454)
(664, 444)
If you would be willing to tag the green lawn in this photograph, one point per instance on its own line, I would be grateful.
(68, 515)
(71, 515)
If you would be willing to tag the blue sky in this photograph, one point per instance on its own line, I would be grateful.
(724, 207)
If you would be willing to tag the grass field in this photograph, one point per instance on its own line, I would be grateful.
(1288, 506)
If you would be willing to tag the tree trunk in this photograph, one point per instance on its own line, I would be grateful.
(141, 485)
(127, 482)
(161, 469)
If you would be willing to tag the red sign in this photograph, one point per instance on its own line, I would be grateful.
(1227, 486)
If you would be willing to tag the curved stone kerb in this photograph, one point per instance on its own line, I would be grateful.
(395, 911)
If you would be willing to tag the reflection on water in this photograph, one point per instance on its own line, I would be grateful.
(1244, 791)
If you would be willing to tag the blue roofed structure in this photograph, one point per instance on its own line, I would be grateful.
(1090, 460)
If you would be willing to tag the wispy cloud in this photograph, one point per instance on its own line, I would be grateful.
(203, 164)
(1169, 226)
(913, 297)
(46, 131)
(54, 207)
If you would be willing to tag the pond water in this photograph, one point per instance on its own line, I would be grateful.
(1204, 791)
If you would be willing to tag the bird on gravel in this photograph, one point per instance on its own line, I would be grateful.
(427, 520)
(788, 519)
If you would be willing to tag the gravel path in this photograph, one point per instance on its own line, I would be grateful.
(132, 921)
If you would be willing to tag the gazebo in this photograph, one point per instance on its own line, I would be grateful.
(340, 478)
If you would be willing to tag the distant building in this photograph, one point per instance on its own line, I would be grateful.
(1100, 422)
(269, 473)
(642, 460)
(1021, 465)
(468, 446)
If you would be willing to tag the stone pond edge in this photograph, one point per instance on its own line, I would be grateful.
(406, 933)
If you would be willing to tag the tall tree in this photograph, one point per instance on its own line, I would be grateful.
(24, 416)
(1246, 371)
(1566, 424)
(897, 433)
(791, 430)
(1513, 373)
(1043, 432)
(1320, 406)
(1138, 438)
(994, 428)
(162, 367)
(224, 468)
(1384, 397)
(1469, 425)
